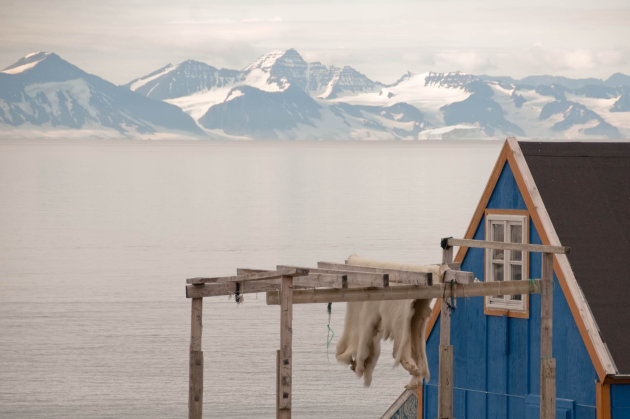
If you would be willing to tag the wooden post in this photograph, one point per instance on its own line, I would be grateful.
(547, 362)
(286, 334)
(195, 386)
(445, 357)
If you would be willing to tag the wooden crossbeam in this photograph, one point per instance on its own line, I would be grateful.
(254, 276)
(408, 292)
(395, 275)
(541, 248)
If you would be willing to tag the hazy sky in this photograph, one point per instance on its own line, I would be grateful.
(124, 39)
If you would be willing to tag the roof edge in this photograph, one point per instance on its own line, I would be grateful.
(584, 319)
(512, 154)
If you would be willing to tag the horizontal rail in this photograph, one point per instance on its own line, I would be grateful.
(409, 292)
(542, 248)
(254, 276)
(395, 275)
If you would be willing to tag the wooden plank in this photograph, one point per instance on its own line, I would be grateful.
(445, 382)
(286, 337)
(509, 246)
(227, 288)
(547, 362)
(548, 388)
(445, 357)
(195, 389)
(310, 281)
(406, 292)
(195, 384)
(196, 324)
(460, 277)
(256, 276)
(546, 306)
(395, 275)
(330, 277)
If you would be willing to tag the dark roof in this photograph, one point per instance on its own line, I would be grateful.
(586, 190)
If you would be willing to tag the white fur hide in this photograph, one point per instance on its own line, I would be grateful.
(403, 321)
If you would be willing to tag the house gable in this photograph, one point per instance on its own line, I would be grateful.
(496, 374)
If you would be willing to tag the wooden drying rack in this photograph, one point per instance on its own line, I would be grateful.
(331, 282)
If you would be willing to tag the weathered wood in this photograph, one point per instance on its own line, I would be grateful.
(509, 246)
(227, 288)
(310, 281)
(331, 276)
(256, 276)
(547, 362)
(286, 337)
(196, 324)
(407, 292)
(460, 277)
(277, 383)
(548, 388)
(395, 276)
(195, 384)
(445, 382)
(445, 358)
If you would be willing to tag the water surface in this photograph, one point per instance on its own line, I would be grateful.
(97, 239)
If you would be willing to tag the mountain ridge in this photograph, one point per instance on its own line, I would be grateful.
(282, 96)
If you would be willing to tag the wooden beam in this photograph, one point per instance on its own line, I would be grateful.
(227, 288)
(547, 362)
(256, 276)
(542, 248)
(195, 385)
(408, 292)
(395, 275)
(333, 277)
(286, 337)
(445, 357)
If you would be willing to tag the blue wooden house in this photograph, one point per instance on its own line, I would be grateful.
(574, 194)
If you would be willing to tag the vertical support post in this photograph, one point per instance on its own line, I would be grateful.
(286, 336)
(547, 362)
(445, 359)
(195, 385)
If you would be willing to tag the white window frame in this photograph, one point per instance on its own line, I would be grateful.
(504, 259)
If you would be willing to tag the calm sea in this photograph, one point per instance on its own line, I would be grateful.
(97, 239)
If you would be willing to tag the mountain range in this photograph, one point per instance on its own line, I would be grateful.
(281, 96)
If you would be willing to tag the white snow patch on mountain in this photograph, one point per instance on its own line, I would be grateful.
(412, 90)
(602, 107)
(259, 79)
(197, 105)
(26, 66)
(266, 61)
(141, 82)
(234, 94)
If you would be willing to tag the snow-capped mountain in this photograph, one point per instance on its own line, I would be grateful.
(282, 96)
(184, 79)
(42, 90)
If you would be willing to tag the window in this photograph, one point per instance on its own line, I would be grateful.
(506, 265)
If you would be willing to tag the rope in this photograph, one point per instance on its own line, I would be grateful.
(331, 333)
(450, 305)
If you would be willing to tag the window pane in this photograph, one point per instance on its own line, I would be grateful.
(516, 236)
(497, 274)
(498, 235)
(516, 276)
(516, 272)
(516, 233)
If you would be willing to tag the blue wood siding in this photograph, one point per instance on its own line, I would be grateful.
(620, 401)
(496, 358)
